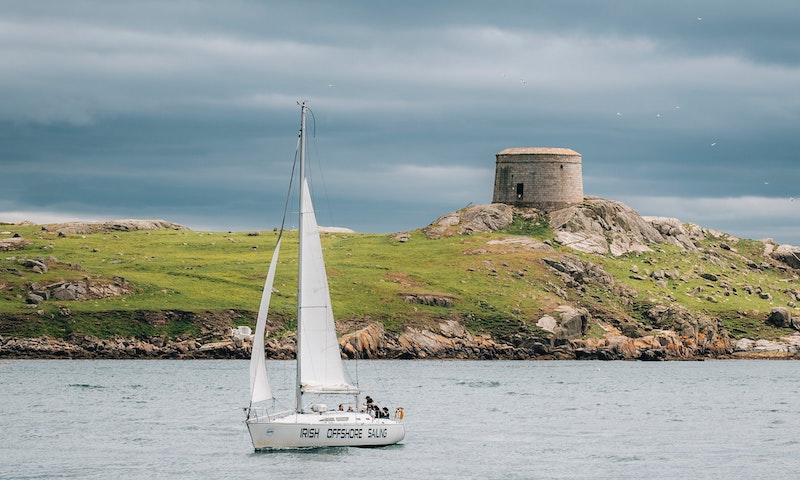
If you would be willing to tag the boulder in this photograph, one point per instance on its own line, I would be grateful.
(13, 243)
(603, 226)
(572, 322)
(37, 266)
(452, 329)
(770, 346)
(401, 237)
(475, 218)
(64, 293)
(428, 299)
(547, 323)
(84, 289)
(674, 231)
(364, 343)
(696, 330)
(34, 299)
(225, 345)
(788, 255)
(782, 317)
(744, 345)
(577, 272)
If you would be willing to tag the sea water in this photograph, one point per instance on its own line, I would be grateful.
(116, 420)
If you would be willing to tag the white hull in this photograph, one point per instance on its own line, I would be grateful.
(329, 429)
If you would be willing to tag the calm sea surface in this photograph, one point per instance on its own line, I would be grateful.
(182, 419)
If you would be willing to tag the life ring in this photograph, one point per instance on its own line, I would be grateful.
(399, 413)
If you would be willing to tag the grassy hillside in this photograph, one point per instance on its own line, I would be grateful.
(494, 288)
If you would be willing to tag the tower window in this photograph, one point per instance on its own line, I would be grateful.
(519, 191)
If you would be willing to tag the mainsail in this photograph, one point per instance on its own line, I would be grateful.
(321, 369)
(259, 384)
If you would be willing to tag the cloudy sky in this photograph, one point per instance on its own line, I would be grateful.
(187, 110)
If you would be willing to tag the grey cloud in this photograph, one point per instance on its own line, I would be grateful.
(187, 109)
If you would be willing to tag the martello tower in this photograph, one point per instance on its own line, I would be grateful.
(542, 177)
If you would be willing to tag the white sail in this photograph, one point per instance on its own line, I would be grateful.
(321, 368)
(259, 383)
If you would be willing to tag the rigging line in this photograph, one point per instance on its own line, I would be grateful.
(289, 192)
(327, 202)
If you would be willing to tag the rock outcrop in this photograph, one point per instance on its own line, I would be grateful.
(78, 290)
(787, 254)
(475, 218)
(595, 225)
(678, 335)
(699, 332)
(781, 317)
(13, 243)
(129, 225)
(448, 339)
(781, 348)
(368, 342)
(429, 299)
(605, 227)
(36, 266)
(675, 232)
(566, 322)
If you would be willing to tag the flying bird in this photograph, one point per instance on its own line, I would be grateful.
(619, 114)
(713, 144)
(523, 82)
(699, 19)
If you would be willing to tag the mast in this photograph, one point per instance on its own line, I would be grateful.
(299, 392)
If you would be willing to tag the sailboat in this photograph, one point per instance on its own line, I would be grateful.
(320, 370)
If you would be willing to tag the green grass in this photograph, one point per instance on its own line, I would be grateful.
(534, 228)
(742, 314)
(187, 271)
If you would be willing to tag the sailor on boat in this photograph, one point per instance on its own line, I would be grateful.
(320, 370)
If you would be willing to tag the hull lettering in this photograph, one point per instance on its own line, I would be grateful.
(345, 433)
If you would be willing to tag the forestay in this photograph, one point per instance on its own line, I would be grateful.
(321, 368)
(259, 383)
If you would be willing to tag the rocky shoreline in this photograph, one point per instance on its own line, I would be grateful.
(448, 340)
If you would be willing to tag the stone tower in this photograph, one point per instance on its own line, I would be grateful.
(542, 177)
